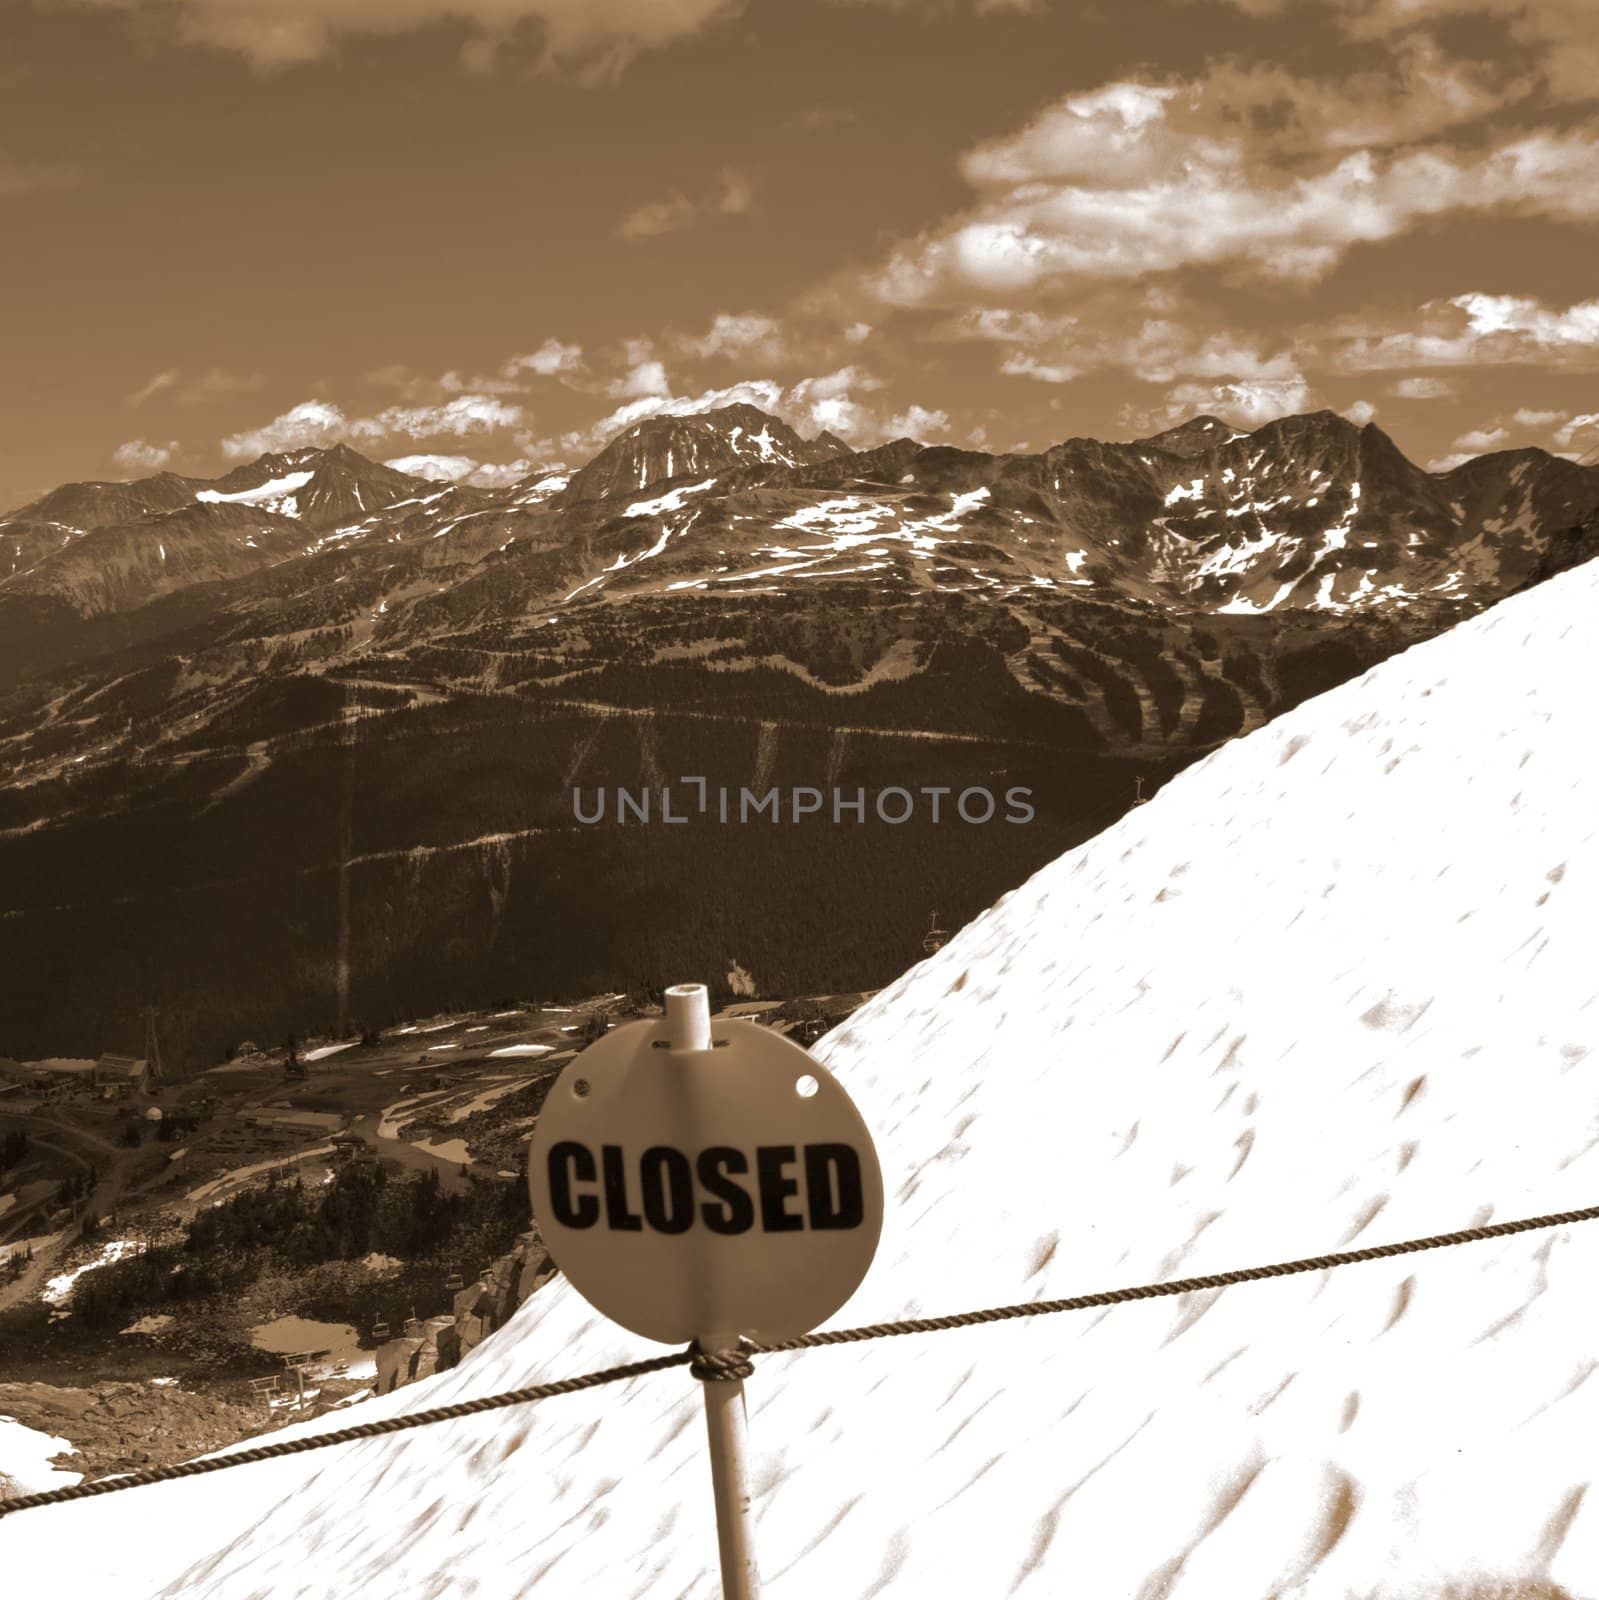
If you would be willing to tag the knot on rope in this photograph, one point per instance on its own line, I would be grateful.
(721, 1366)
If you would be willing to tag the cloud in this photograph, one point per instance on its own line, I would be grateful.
(552, 359)
(1527, 418)
(594, 38)
(1245, 404)
(1114, 333)
(217, 384)
(1477, 442)
(1361, 412)
(161, 382)
(1424, 389)
(820, 119)
(919, 422)
(139, 455)
(857, 333)
(1558, 36)
(1583, 430)
(462, 469)
(828, 401)
(645, 377)
(930, 9)
(1475, 330)
(1250, 170)
(319, 423)
(740, 337)
(734, 197)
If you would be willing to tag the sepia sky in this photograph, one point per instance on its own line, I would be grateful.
(490, 233)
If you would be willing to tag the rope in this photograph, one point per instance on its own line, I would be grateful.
(735, 1365)
(366, 1430)
(1154, 1291)
(722, 1366)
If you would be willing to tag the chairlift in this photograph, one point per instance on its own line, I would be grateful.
(380, 1330)
(454, 1281)
(935, 938)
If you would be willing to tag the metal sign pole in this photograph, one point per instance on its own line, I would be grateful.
(688, 1016)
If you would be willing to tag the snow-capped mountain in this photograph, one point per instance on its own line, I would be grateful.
(1096, 615)
(1306, 514)
(320, 488)
(662, 448)
(1334, 985)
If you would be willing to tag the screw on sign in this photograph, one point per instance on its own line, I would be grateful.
(702, 1189)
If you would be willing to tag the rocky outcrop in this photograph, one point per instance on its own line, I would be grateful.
(123, 1427)
(440, 1342)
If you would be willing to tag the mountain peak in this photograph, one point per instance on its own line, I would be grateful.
(1196, 437)
(730, 438)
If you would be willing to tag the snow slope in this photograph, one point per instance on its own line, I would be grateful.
(1336, 982)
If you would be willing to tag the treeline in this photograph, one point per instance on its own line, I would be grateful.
(287, 1228)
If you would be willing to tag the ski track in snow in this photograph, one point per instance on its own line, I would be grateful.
(1336, 981)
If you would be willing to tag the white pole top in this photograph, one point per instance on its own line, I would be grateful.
(688, 1016)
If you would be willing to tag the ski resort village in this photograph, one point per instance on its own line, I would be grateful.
(288, 1232)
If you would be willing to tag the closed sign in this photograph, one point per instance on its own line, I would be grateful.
(721, 1191)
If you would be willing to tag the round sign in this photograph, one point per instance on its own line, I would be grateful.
(705, 1193)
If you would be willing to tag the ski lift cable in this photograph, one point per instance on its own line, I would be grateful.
(735, 1365)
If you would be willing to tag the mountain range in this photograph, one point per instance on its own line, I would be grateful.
(322, 719)
(1333, 988)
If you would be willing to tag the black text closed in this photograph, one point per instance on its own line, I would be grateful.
(776, 1188)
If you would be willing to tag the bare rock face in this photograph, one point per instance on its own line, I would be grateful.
(476, 1311)
(120, 1427)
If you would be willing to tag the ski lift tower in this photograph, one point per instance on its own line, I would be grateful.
(154, 1073)
(935, 938)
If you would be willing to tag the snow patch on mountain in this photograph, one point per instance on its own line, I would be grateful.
(670, 501)
(277, 494)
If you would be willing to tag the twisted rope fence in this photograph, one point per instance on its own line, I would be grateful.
(735, 1365)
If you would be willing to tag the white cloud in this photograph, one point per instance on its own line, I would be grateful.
(218, 384)
(733, 197)
(1477, 330)
(139, 455)
(1478, 442)
(462, 469)
(311, 424)
(1361, 412)
(1528, 418)
(442, 469)
(551, 359)
(1246, 404)
(318, 423)
(643, 378)
(207, 388)
(749, 334)
(1113, 334)
(858, 333)
(1424, 389)
(464, 415)
(1231, 171)
(161, 382)
(595, 37)
(824, 402)
(1582, 430)
(920, 423)
(1559, 35)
